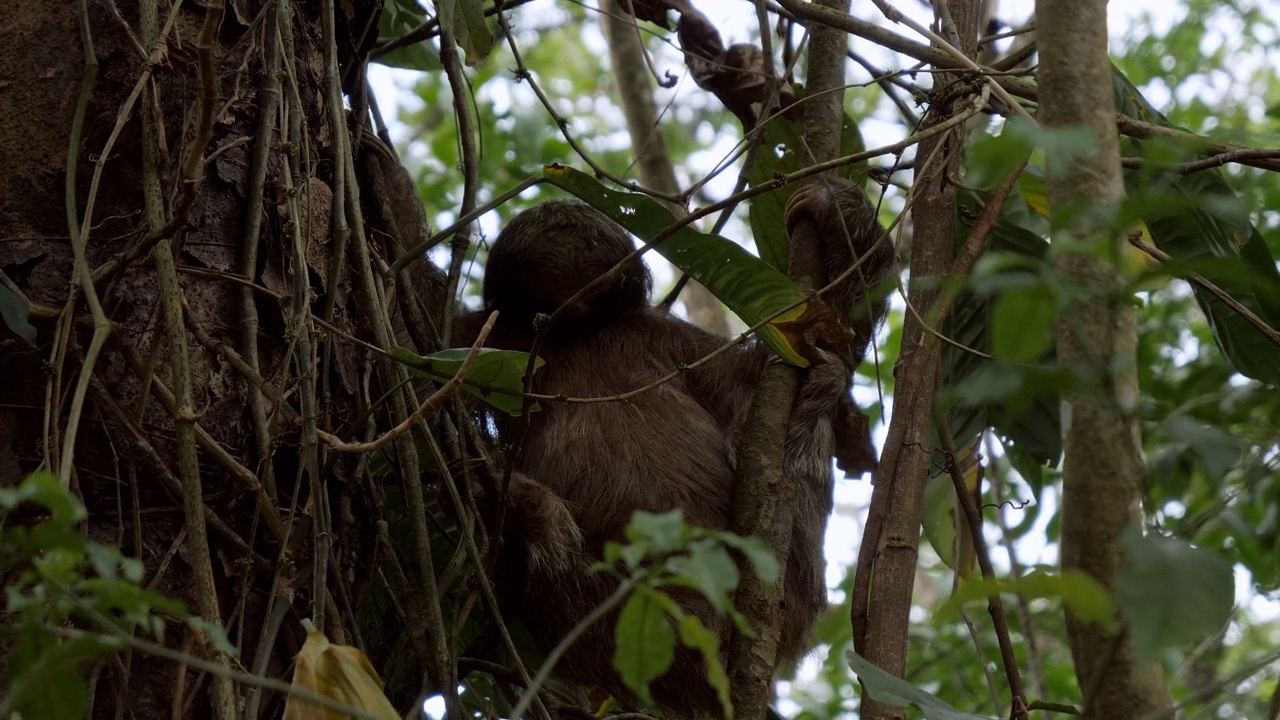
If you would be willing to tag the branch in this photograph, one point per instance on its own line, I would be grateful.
(1268, 332)
(1265, 160)
(995, 605)
(435, 400)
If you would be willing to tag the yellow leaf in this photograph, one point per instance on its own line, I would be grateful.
(338, 672)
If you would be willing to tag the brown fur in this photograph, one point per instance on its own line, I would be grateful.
(585, 468)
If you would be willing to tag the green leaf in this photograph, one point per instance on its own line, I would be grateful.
(497, 377)
(645, 640)
(939, 520)
(750, 287)
(421, 56)
(662, 532)
(758, 552)
(15, 310)
(400, 17)
(1019, 402)
(779, 155)
(1206, 220)
(214, 633)
(1084, 596)
(44, 678)
(696, 635)
(990, 158)
(42, 488)
(1218, 449)
(466, 17)
(767, 212)
(1170, 592)
(708, 569)
(1023, 323)
(886, 688)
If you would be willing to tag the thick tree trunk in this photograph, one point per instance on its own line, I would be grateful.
(210, 218)
(1103, 464)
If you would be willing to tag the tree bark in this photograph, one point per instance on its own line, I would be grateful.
(1103, 464)
(890, 545)
(763, 496)
(206, 190)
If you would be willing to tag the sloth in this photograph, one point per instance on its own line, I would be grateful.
(584, 468)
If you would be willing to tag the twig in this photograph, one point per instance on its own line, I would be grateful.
(1203, 283)
(553, 657)
(193, 505)
(995, 604)
(888, 39)
(1015, 572)
(1141, 130)
(79, 240)
(431, 403)
(269, 92)
(524, 75)
(895, 15)
(1243, 156)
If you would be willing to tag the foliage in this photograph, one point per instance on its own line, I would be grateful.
(664, 551)
(1208, 411)
(57, 578)
(1206, 432)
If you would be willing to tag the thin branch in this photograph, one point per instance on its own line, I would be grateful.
(1138, 129)
(1255, 157)
(995, 604)
(895, 15)
(524, 75)
(892, 41)
(431, 403)
(1268, 332)
(553, 657)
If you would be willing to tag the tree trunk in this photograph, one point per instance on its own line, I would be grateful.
(1102, 465)
(226, 217)
(890, 544)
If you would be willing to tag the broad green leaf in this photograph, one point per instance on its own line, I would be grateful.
(645, 640)
(1210, 221)
(992, 157)
(421, 56)
(757, 551)
(891, 690)
(44, 679)
(214, 633)
(1080, 593)
(399, 17)
(43, 488)
(15, 310)
(662, 532)
(777, 155)
(696, 635)
(497, 377)
(746, 284)
(1024, 408)
(1170, 592)
(708, 569)
(466, 17)
(1023, 323)
(1218, 449)
(944, 525)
